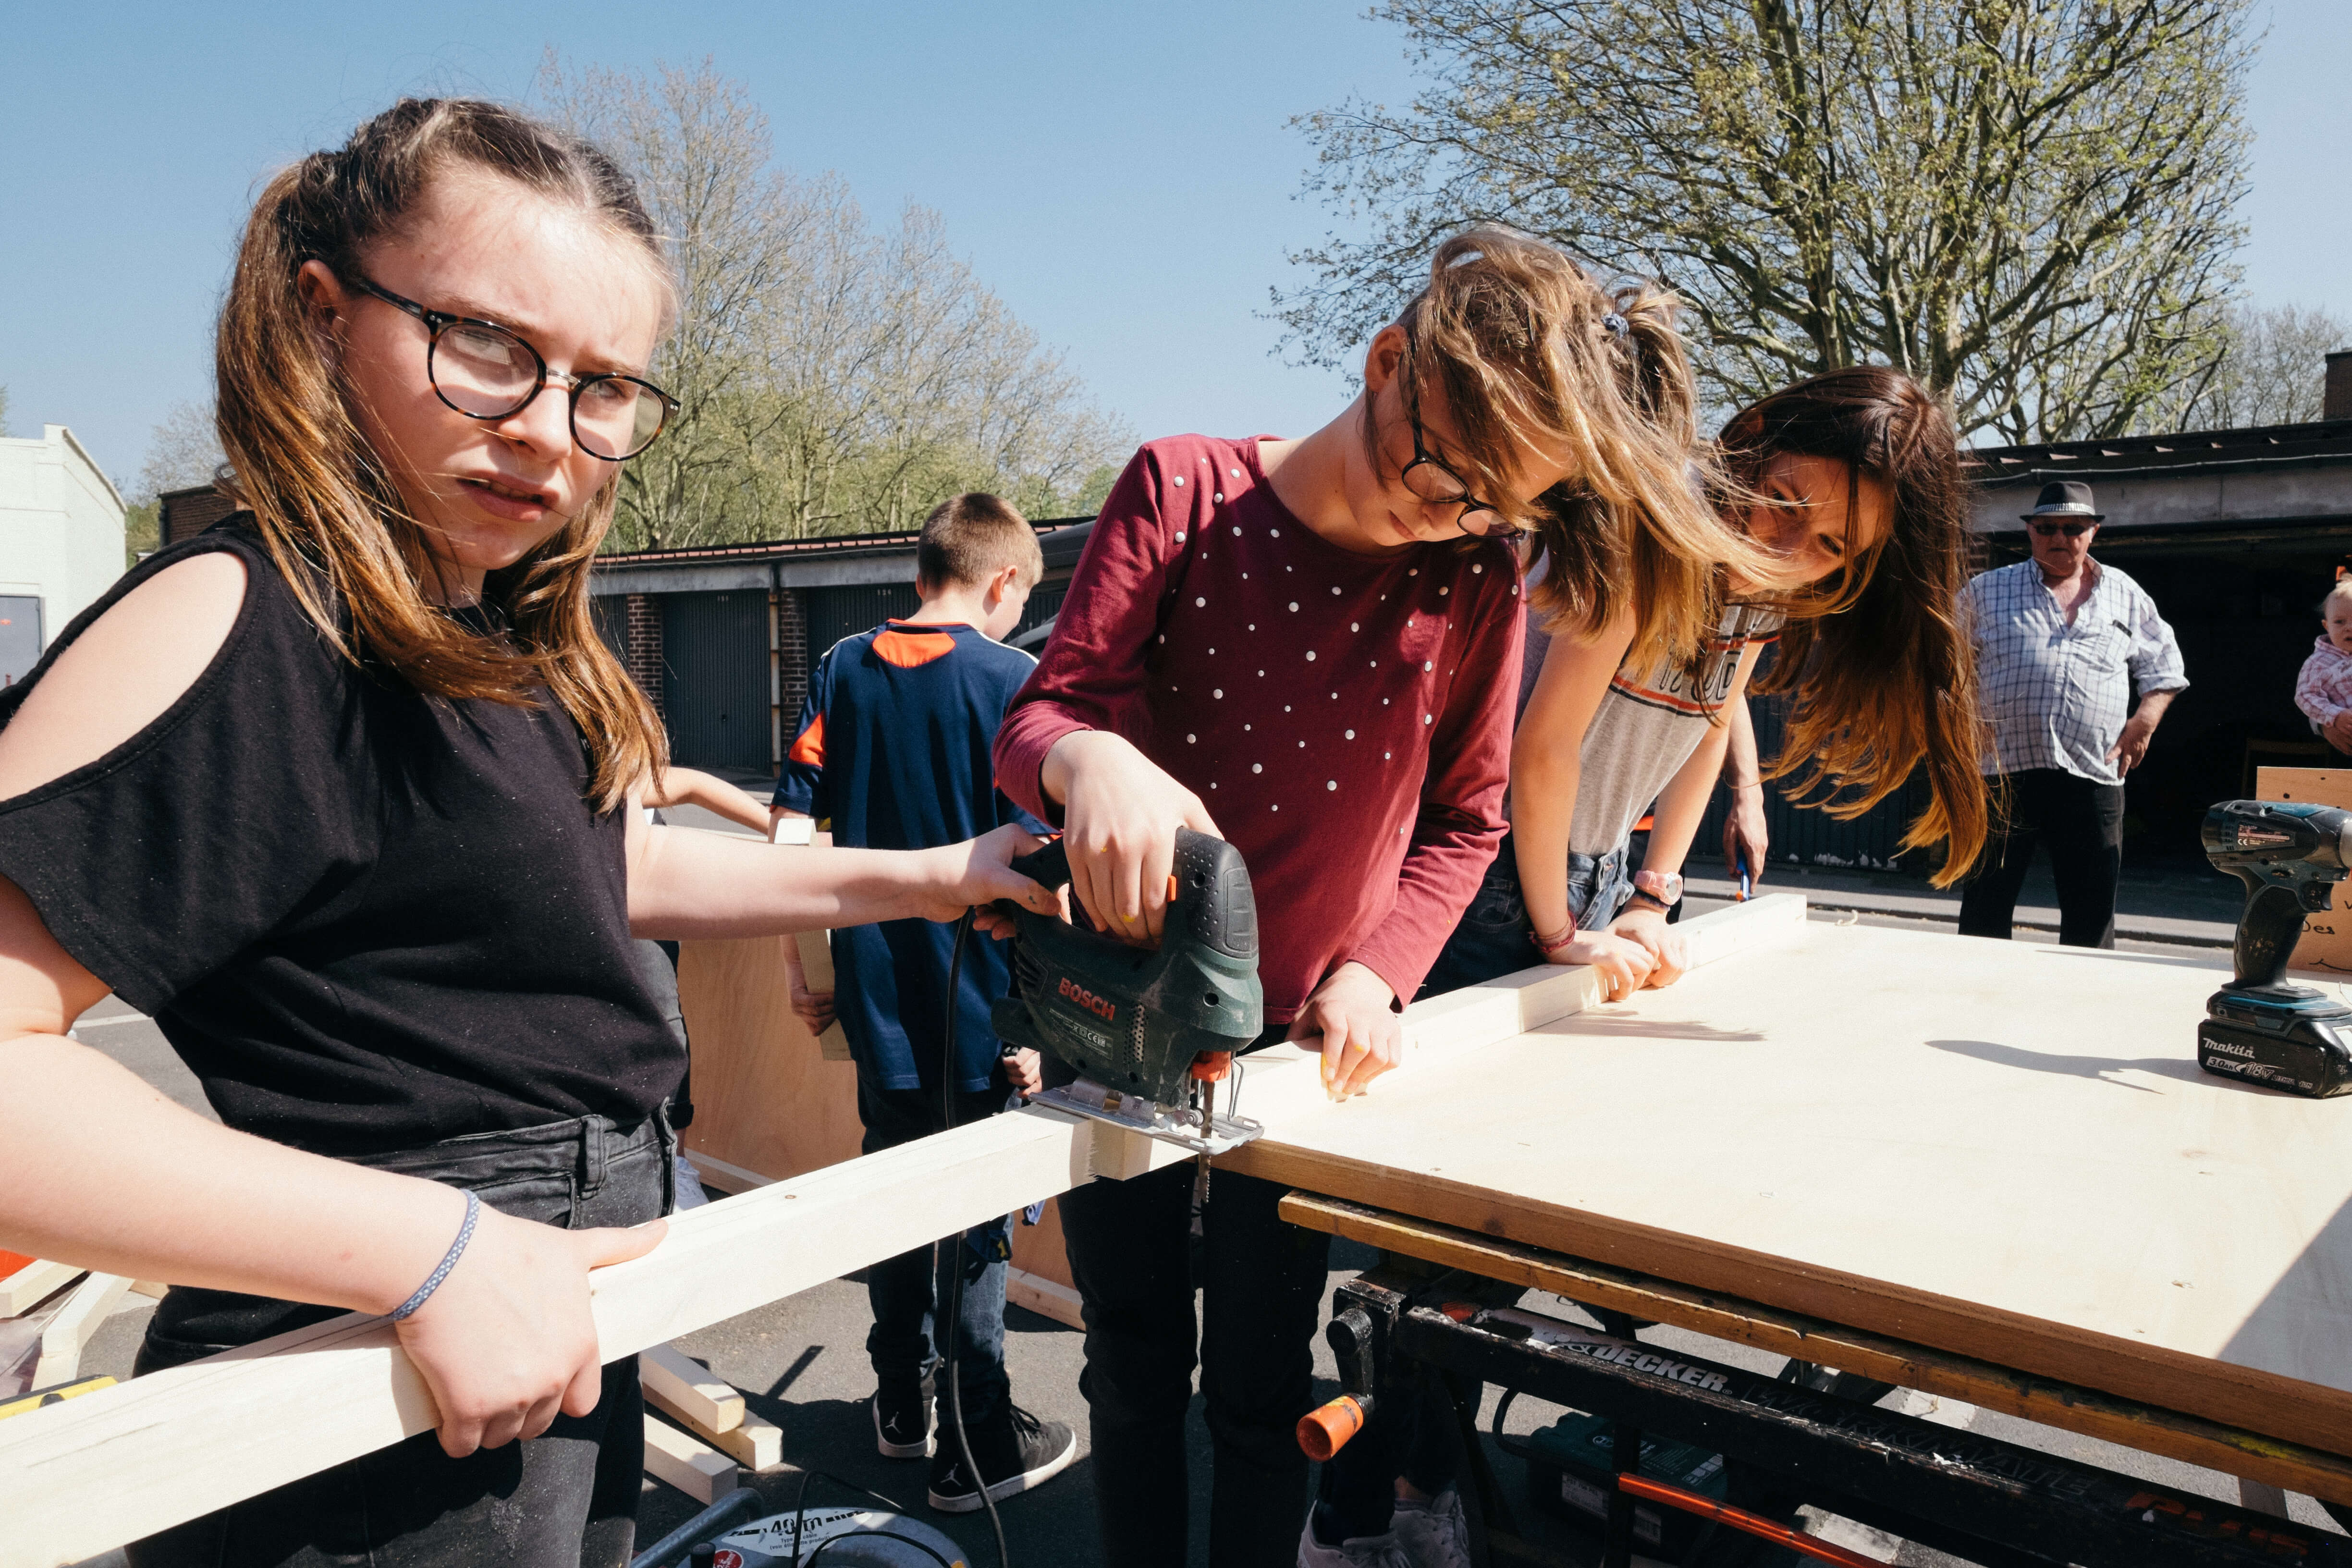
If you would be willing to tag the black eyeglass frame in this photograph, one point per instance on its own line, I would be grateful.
(1466, 501)
(439, 322)
(2071, 530)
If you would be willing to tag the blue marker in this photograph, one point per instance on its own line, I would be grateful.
(1747, 884)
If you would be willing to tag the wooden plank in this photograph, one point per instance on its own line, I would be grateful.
(2068, 1406)
(30, 1286)
(1039, 1277)
(80, 1478)
(687, 1463)
(1046, 1298)
(200, 1436)
(756, 1444)
(766, 1100)
(684, 1386)
(63, 1340)
(816, 968)
(2002, 1151)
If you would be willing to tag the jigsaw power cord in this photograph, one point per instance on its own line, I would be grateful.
(948, 1069)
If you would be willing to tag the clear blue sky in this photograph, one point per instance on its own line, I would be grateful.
(1121, 173)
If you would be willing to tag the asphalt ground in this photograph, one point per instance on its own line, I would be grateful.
(801, 1363)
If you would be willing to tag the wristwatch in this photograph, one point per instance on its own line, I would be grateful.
(1662, 888)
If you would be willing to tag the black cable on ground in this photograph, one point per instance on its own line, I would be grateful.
(800, 1514)
(947, 1079)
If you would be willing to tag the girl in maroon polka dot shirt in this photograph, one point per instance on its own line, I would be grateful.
(1311, 649)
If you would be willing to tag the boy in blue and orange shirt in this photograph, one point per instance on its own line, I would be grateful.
(893, 748)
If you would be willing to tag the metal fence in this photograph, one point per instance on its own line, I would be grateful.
(1810, 836)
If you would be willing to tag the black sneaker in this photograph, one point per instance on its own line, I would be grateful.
(1017, 1450)
(902, 1422)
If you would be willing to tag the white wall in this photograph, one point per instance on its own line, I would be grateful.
(61, 526)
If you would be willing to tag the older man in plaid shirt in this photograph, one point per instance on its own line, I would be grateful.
(2061, 644)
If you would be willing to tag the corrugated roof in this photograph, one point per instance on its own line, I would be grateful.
(1057, 536)
(2323, 443)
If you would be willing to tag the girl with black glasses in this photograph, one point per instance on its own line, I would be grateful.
(401, 964)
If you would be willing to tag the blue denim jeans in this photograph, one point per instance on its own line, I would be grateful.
(565, 1499)
(1492, 939)
(909, 1292)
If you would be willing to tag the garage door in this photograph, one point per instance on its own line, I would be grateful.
(715, 678)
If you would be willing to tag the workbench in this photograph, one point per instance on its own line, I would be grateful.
(1975, 1168)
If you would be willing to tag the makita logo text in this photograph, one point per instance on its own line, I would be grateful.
(1097, 1006)
(2230, 1047)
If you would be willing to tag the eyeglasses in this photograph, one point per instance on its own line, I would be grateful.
(1432, 483)
(2071, 530)
(484, 371)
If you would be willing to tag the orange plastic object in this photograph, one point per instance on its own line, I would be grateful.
(1210, 1067)
(1739, 1519)
(1460, 1312)
(1325, 1431)
(12, 1261)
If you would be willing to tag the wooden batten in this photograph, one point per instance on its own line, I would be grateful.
(687, 1463)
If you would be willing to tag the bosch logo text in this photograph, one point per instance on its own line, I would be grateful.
(1099, 1007)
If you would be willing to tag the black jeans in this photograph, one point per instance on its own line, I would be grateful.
(2082, 824)
(566, 1499)
(909, 1292)
(1130, 1249)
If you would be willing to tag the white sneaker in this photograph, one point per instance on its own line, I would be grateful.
(1361, 1551)
(1434, 1534)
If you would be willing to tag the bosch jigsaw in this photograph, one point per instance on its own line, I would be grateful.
(1151, 1031)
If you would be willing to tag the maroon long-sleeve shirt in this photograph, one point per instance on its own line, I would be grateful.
(1345, 719)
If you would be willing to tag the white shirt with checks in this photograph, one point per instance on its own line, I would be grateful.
(2056, 696)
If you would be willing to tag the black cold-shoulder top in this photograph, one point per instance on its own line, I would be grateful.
(367, 920)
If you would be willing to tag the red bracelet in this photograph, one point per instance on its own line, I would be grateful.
(1550, 945)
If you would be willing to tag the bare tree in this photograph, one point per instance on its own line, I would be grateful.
(183, 451)
(2027, 203)
(2272, 369)
(3, 412)
(831, 378)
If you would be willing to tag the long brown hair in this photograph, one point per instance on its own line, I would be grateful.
(1881, 674)
(1530, 352)
(324, 503)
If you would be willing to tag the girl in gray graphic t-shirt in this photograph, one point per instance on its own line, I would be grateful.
(1858, 493)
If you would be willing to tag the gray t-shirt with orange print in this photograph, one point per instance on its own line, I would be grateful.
(1647, 728)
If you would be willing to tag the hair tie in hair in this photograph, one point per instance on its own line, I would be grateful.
(1615, 324)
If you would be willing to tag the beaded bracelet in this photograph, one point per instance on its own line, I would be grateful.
(449, 1261)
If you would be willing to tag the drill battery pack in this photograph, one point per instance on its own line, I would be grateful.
(1570, 1476)
(2285, 1037)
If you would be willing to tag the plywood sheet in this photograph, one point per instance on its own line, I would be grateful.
(2327, 941)
(766, 1100)
(2002, 1150)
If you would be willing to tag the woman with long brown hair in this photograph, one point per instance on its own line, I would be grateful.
(336, 792)
(1850, 482)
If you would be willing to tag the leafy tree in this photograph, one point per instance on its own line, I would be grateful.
(833, 376)
(2030, 205)
(183, 451)
(2272, 369)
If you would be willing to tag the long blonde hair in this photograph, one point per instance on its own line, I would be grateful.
(1529, 351)
(320, 495)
